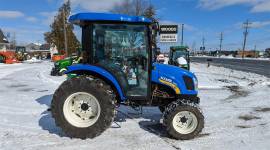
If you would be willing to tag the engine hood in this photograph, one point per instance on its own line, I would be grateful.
(174, 77)
(172, 70)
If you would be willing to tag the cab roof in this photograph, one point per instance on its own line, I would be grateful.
(80, 18)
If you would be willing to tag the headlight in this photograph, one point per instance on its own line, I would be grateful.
(195, 81)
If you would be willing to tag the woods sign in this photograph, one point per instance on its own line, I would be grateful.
(168, 33)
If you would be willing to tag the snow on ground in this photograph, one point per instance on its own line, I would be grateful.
(236, 106)
(6, 69)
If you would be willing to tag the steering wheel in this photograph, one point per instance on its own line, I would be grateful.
(138, 60)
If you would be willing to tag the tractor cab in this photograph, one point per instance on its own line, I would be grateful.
(119, 44)
(179, 56)
(20, 49)
(21, 54)
(118, 69)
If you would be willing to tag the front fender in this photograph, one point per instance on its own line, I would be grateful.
(100, 71)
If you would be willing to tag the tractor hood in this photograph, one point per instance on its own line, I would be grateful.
(172, 70)
(181, 80)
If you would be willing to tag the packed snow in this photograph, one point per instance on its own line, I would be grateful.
(236, 106)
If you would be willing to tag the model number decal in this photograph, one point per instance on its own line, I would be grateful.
(166, 79)
(169, 82)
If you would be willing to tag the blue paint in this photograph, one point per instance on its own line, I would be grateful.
(77, 18)
(100, 71)
(175, 74)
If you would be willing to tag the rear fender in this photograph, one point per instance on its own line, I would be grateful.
(90, 69)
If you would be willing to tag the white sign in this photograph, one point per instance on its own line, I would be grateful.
(168, 38)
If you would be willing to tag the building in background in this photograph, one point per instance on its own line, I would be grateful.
(249, 54)
(3, 38)
(4, 44)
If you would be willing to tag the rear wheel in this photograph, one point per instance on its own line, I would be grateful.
(83, 107)
(184, 120)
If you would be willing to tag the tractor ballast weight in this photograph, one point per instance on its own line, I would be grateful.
(118, 69)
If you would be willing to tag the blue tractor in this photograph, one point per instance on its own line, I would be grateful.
(119, 67)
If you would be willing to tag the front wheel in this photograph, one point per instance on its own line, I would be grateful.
(83, 107)
(184, 121)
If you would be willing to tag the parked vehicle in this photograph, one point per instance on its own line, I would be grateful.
(179, 56)
(60, 66)
(57, 57)
(21, 54)
(8, 57)
(85, 106)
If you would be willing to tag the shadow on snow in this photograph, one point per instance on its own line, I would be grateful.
(148, 120)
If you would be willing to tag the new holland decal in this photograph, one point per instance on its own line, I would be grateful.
(170, 83)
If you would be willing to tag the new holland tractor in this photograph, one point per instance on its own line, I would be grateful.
(118, 68)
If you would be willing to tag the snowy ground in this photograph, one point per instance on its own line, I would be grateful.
(236, 106)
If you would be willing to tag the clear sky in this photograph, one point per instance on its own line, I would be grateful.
(29, 19)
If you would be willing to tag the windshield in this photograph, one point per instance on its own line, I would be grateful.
(178, 54)
(123, 50)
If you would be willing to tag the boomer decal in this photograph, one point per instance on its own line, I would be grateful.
(170, 83)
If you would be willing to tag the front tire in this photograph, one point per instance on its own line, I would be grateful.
(83, 107)
(183, 120)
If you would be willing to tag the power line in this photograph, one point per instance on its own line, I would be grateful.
(246, 26)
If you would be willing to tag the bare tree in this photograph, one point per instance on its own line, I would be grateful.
(132, 7)
(136, 8)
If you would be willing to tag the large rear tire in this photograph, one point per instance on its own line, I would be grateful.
(183, 120)
(83, 107)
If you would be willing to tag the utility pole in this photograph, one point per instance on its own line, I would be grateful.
(246, 26)
(182, 39)
(65, 31)
(220, 44)
(203, 45)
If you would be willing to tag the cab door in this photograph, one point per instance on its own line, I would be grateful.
(123, 50)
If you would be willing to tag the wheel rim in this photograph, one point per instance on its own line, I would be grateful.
(185, 122)
(81, 109)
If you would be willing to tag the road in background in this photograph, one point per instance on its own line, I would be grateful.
(261, 67)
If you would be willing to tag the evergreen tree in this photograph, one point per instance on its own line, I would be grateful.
(56, 35)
